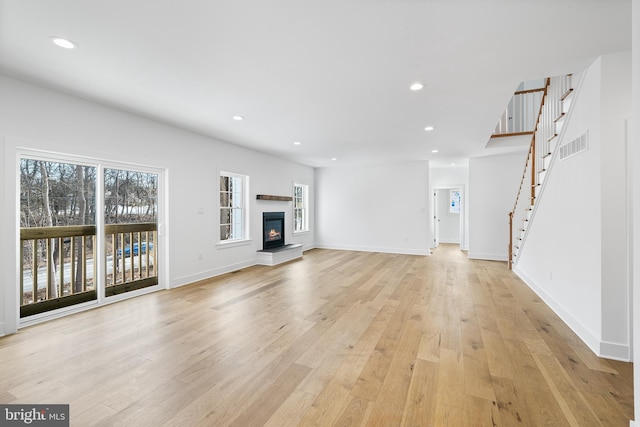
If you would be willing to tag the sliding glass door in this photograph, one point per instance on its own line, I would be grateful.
(87, 232)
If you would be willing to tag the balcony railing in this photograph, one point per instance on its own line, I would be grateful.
(134, 251)
(521, 113)
(58, 268)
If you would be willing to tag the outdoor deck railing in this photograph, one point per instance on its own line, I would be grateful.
(58, 269)
(133, 251)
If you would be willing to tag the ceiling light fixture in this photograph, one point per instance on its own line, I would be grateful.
(429, 128)
(334, 158)
(453, 164)
(416, 86)
(238, 118)
(434, 151)
(297, 143)
(62, 42)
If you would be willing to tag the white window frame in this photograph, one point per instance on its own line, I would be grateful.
(99, 254)
(304, 208)
(242, 214)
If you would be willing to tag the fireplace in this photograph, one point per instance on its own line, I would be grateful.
(272, 230)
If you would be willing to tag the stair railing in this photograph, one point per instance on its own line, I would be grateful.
(550, 119)
(528, 181)
(520, 116)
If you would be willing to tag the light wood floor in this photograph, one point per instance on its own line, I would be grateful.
(338, 338)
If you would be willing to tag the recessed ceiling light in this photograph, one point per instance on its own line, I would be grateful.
(334, 158)
(238, 118)
(62, 42)
(453, 164)
(416, 86)
(429, 128)
(297, 143)
(434, 151)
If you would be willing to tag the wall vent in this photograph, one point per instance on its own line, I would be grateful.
(574, 147)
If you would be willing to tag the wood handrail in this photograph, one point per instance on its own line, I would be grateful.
(531, 155)
(503, 135)
(522, 92)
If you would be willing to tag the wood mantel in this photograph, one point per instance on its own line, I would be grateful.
(278, 198)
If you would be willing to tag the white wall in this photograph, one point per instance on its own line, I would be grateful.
(576, 243)
(635, 154)
(560, 258)
(615, 110)
(493, 185)
(450, 177)
(39, 119)
(380, 208)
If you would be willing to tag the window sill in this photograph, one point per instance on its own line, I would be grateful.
(233, 243)
(301, 233)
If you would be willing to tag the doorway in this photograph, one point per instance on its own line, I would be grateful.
(448, 216)
(87, 233)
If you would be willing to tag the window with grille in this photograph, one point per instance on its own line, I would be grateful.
(233, 191)
(300, 208)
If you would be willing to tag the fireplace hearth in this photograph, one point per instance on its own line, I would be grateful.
(272, 230)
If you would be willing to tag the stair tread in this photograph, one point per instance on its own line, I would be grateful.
(566, 94)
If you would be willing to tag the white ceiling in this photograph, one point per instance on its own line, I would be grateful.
(333, 74)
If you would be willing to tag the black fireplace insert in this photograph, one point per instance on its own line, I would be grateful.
(272, 230)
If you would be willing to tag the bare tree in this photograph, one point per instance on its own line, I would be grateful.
(82, 205)
(53, 281)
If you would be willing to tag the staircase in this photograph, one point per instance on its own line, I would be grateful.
(553, 112)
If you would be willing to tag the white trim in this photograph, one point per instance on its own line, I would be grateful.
(454, 242)
(233, 243)
(629, 223)
(100, 164)
(615, 351)
(464, 245)
(424, 252)
(487, 256)
(305, 208)
(210, 274)
(246, 207)
(591, 340)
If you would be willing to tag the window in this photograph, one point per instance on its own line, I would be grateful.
(300, 208)
(454, 201)
(233, 191)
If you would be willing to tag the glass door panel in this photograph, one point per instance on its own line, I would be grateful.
(131, 230)
(57, 235)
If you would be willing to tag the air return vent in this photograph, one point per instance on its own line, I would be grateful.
(574, 147)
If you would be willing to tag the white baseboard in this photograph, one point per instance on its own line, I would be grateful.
(600, 348)
(192, 278)
(615, 351)
(402, 251)
(487, 256)
(452, 241)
